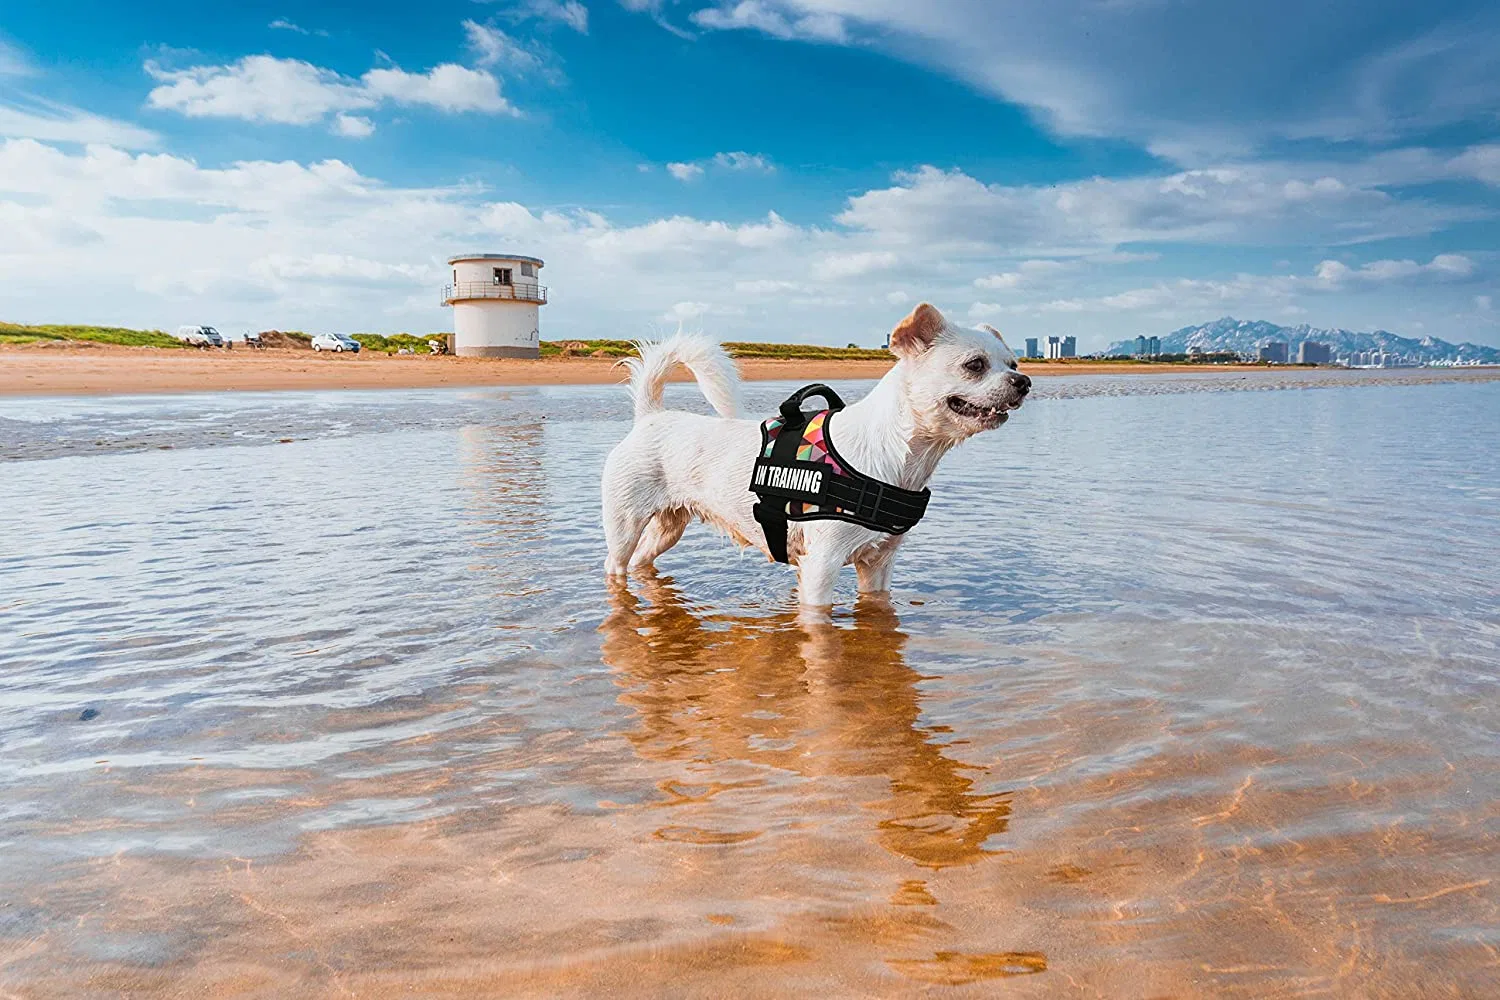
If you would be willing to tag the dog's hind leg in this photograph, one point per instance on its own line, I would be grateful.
(875, 577)
(623, 525)
(875, 571)
(661, 534)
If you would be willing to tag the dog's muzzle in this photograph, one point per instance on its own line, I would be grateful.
(993, 413)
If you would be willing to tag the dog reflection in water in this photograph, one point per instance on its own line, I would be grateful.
(806, 697)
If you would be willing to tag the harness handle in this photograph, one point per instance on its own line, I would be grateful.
(791, 407)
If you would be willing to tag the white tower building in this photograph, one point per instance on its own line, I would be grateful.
(495, 299)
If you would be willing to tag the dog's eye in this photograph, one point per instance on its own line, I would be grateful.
(977, 365)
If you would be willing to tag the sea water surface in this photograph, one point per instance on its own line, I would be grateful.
(1181, 691)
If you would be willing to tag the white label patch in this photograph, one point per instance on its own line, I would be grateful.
(781, 478)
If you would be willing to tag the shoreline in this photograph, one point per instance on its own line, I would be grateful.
(103, 370)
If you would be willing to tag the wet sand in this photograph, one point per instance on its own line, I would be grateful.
(105, 370)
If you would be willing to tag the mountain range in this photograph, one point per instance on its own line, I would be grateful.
(1243, 336)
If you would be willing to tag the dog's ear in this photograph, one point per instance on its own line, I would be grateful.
(917, 332)
(990, 329)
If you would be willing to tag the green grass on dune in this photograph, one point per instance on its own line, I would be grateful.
(610, 348)
(17, 333)
(739, 349)
(807, 352)
(390, 343)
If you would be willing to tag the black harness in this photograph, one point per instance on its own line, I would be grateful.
(799, 476)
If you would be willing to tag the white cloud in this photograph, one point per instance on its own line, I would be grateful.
(352, 126)
(1420, 165)
(566, 12)
(768, 286)
(448, 87)
(834, 266)
(692, 314)
(282, 24)
(1480, 162)
(1236, 204)
(744, 161)
(340, 267)
(1483, 303)
(1222, 78)
(494, 48)
(1122, 257)
(257, 88)
(1443, 267)
(53, 122)
(13, 62)
(293, 92)
(773, 19)
(1261, 291)
(685, 312)
(1028, 272)
(737, 161)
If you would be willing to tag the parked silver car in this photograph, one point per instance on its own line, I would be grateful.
(335, 342)
(199, 336)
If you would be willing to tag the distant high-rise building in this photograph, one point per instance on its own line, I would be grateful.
(1153, 346)
(1054, 347)
(1310, 352)
(1031, 348)
(1141, 346)
(1070, 347)
(1274, 351)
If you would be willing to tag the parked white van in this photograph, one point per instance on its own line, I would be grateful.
(199, 336)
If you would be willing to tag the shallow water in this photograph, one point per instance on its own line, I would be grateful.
(1181, 692)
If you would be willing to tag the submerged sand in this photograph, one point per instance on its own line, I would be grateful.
(1182, 693)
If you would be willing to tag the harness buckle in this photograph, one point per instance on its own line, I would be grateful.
(867, 506)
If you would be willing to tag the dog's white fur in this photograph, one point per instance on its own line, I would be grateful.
(674, 466)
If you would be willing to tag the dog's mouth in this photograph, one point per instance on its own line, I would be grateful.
(989, 416)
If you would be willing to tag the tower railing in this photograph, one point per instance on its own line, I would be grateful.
(525, 291)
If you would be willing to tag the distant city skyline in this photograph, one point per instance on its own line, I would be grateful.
(1246, 337)
(1310, 352)
(1062, 347)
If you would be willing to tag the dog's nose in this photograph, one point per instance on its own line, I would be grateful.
(1021, 383)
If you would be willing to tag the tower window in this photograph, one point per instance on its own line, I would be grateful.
(502, 276)
(527, 270)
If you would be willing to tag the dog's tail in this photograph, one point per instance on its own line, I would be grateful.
(710, 365)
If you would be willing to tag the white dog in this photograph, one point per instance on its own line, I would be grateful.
(948, 384)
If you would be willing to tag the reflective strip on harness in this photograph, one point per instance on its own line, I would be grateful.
(799, 476)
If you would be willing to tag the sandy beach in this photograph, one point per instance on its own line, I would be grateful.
(74, 370)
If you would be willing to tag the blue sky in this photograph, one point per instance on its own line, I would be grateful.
(762, 169)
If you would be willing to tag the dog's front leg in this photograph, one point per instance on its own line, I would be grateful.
(817, 572)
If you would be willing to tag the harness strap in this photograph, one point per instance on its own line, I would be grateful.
(771, 511)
